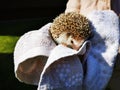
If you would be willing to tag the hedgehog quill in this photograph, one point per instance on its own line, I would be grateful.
(70, 29)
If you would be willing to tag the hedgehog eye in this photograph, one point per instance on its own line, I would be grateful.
(72, 41)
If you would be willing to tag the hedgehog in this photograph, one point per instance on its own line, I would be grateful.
(70, 29)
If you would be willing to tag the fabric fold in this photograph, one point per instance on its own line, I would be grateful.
(30, 54)
(104, 50)
(62, 68)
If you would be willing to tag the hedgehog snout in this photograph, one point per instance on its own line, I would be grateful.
(74, 43)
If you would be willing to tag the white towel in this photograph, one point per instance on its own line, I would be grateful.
(104, 49)
(98, 66)
(31, 47)
(63, 69)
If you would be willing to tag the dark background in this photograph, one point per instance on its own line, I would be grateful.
(20, 16)
(16, 18)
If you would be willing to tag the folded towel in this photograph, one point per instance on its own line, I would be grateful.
(104, 49)
(63, 70)
(30, 54)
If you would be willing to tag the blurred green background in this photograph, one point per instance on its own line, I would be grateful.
(19, 17)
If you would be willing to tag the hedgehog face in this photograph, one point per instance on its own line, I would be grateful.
(70, 29)
(68, 40)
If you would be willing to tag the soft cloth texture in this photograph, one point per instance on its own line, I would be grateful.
(104, 49)
(97, 68)
(63, 69)
(30, 48)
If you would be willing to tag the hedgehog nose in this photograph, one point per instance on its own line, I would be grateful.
(76, 47)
